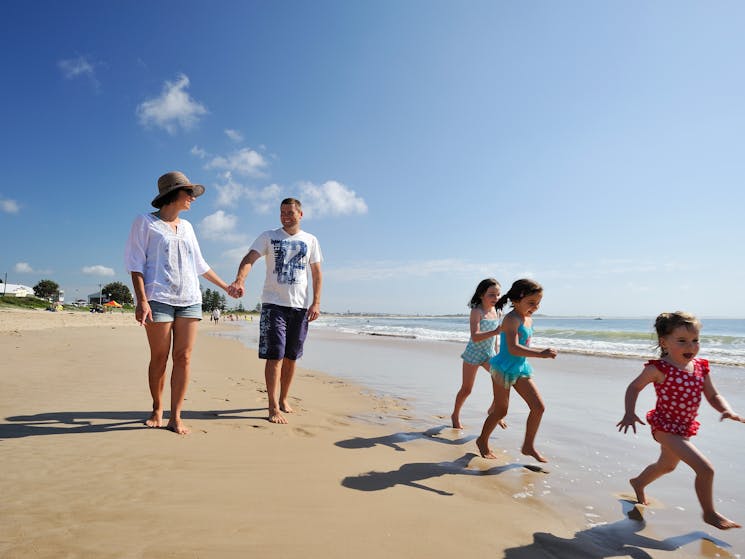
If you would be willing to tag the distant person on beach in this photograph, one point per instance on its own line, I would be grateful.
(680, 378)
(165, 262)
(286, 307)
(215, 316)
(511, 368)
(484, 324)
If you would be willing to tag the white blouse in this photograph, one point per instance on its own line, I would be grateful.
(170, 261)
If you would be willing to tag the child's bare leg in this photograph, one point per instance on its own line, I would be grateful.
(469, 377)
(686, 451)
(501, 403)
(665, 464)
(527, 389)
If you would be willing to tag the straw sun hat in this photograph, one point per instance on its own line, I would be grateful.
(173, 181)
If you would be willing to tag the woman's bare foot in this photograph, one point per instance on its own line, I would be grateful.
(641, 498)
(456, 422)
(285, 407)
(276, 417)
(530, 451)
(177, 426)
(719, 521)
(484, 449)
(156, 419)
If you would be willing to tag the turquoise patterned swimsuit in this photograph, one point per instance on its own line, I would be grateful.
(477, 353)
(508, 366)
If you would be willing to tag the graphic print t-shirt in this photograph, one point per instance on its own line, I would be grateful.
(288, 260)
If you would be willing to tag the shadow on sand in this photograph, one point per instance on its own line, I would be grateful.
(619, 539)
(393, 441)
(65, 423)
(412, 474)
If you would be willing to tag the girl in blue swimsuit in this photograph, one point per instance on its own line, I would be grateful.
(484, 323)
(511, 368)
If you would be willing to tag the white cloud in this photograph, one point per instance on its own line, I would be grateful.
(234, 135)
(98, 270)
(9, 206)
(173, 109)
(265, 199)
(330, 198)
(199, 152)
(76, 67)
(245, 161)
(23, 268)
(220, 226)
(230, 192)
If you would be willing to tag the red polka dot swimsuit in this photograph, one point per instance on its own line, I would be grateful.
(678, 398)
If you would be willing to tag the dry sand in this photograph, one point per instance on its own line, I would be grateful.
(348, 477)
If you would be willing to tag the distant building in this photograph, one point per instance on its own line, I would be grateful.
(97, 298)
(16, 290)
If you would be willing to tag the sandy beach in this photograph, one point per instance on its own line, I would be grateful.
(358, 471)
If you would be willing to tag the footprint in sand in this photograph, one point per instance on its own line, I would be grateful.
(303, 432)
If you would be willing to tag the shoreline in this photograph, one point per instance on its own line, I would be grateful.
(357, 471)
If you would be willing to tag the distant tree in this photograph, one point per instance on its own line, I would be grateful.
(46, 289)
(257, 308)
(118, 292)
(211, 300)
(207, 300)
(223, 302)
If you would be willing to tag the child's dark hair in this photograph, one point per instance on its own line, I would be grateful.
(521, 288)
(665, 323)
(480, 290)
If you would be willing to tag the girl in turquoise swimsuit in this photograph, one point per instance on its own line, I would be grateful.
(511, 368)
(484, 323)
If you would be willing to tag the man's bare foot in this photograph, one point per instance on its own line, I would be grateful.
(530, 451)
(276, 417)
(285, 407)
(484, 449)
(155, 419)
(456, 422)
(641, 498)
(177, 426)
(719, 521)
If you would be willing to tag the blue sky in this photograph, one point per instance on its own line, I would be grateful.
(594, 146)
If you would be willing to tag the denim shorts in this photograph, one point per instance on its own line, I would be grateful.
(163, 312)
(282, 332)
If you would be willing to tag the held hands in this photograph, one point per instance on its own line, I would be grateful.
(236, 289)
(629, 420)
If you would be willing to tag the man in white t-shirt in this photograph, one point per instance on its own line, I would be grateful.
(286, 306)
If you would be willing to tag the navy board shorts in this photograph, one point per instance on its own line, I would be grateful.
(282, 332)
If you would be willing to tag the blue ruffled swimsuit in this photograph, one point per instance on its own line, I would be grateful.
(477, 353)
(510, 367)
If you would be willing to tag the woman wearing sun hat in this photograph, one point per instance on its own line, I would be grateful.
(165, 262)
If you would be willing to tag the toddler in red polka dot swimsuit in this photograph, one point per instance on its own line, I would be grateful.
(680, 379)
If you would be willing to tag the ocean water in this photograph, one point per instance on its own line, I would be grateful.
(722, 340)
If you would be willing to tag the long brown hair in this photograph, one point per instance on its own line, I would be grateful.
(521, 288)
